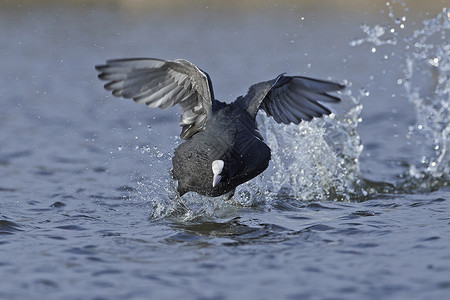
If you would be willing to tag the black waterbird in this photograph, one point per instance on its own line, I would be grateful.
(222, 147)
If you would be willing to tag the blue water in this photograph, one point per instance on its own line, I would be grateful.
(355, 206)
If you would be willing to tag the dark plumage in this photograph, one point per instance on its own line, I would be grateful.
(222, 147)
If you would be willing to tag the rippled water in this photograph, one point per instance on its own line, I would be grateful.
(353, 206)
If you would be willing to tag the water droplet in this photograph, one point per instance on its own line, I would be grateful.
(434, 61)
(373, 50)
(364, 92)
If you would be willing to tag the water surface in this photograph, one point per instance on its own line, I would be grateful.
(355, 206)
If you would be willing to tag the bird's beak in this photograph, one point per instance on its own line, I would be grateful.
(216, 179)
(217, 167)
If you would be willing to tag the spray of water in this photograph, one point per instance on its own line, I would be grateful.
(426, 83)
(316, 160)
(428, 61)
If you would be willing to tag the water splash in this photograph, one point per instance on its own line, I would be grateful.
(160, 190)
(426, 82)
(427, 86)
(387, 34)
(377, 35)
(166, 204)
(316, 160)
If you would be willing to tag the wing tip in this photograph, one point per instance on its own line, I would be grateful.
(332, 98)
(100, 67)
(102, 76)
(340, 86)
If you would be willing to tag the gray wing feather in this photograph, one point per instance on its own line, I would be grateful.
(163, 84)
(291, 99)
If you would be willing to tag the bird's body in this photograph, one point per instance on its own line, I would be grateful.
(222, 147)
(235, 141)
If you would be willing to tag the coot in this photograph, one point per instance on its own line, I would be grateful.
(222, 147)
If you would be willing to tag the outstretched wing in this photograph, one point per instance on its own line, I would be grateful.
(291, 99)
(162, 83)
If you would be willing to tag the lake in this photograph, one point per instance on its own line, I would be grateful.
(352, 206)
